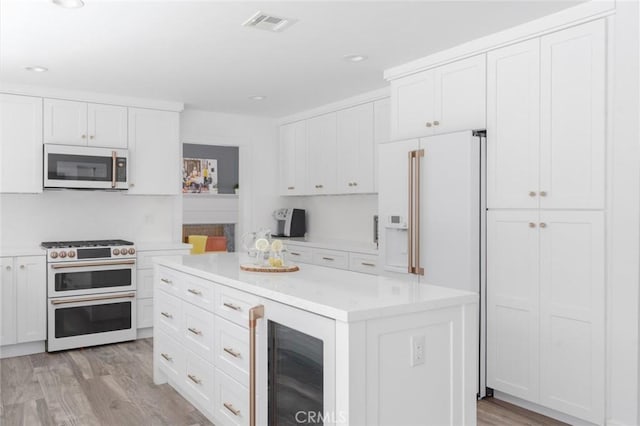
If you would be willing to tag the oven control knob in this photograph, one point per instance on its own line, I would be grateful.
(71, 254)
(63, 254)
(116, 252)
(132, 250)
(54, 254)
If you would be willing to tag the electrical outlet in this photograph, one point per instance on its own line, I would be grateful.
(417, 350)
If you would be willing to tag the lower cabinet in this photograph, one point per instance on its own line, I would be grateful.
(340, 259)
(546, 309)
(23, 297)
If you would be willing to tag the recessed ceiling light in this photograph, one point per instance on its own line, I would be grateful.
(36, 69)
(257, 98)
(354, 58)
(69, 4)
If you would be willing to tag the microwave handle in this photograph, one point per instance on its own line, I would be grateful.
(255, 314)
(114, 160)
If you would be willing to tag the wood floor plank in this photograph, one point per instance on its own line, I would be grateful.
(18, 382)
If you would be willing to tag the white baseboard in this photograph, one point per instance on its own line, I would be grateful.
(145, 333)
(543, 410)
(21, 349)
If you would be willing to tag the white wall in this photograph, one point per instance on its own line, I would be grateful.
(338, 217)
(258, 141)
(28, 220)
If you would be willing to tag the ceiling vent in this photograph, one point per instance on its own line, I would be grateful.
(263, 21)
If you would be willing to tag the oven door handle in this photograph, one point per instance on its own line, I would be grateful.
(81, 265)
(255, 314)
(92, 299)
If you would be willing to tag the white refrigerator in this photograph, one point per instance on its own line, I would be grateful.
(432, 215)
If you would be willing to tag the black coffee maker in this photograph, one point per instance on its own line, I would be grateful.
(291, 222)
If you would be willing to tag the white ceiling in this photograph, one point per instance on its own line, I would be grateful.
(198, 53)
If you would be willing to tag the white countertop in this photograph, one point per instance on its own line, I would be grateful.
(161, 245)
(22, 251)
(353, 246)
(334, 293)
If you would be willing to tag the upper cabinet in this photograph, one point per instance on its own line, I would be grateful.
(21, 147)
(85, 124)
(321, 163)
(355, 159)
(293, 158)
(546, 121)
(154, 152)
(440, 100)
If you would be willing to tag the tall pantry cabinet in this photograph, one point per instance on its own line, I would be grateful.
(545, 225)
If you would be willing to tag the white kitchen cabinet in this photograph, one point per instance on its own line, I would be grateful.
(24, 297)
(21, 148)
(293, 158)
(355, 149)
(546, 121)
(573, 96)
(513, 125)
(545, 308)
(381, 132)
(322, 150)
(107, 126)
(154, 152)
(440, 100)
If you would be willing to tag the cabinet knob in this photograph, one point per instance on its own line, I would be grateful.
(428, 124)
(83, 136)
(318, 186)
(131, 185)
(8, 268)
(543, 193)
(91, 137)
(543, 225)
(291, 188)
(436, 123)
(21, 266)
(355, 183)
(532, 225)
(532, 193)
(350, 183)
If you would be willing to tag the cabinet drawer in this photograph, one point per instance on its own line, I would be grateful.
(331, 258)
(168, 314)
(170, 356)
(299, 254)
(199, 292)
(231, 400)
(144, 283)
(198, 381)
(144, 313)
(232, 350)
(168, 280)
(234, 305)
(367, 263)
(145, 258)
(197, 330)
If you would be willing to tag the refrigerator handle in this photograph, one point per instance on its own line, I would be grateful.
(410, 268)
(417, 203)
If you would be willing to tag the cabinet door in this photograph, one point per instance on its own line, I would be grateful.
(8, 303)
(21, 148)
(513, 126)
(512, 303)
(31, 294)
(572, 153)
(154, 152)
(572, 302)
(355, 149)
(107, 125)
(412, 106)
(293, 158)
(321, 160)
(65, 122)
(460, 95)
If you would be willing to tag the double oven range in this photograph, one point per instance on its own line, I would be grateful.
(91, 293)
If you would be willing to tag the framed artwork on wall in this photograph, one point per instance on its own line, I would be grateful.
(199, 175)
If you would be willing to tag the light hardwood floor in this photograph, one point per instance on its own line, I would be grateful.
(112, 385)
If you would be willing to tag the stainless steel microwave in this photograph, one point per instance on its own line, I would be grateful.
(83, 167)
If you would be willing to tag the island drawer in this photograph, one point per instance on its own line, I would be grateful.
(231, 400)
(168, 313)
(198, 331)
(171, 356)
(367, 263)
(198, 381)
(234, 305)
(299, 254)
(331, 258)
(169, 280)
(232, 350)
(199, 292)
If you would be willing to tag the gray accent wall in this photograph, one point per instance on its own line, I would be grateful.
(228, 159)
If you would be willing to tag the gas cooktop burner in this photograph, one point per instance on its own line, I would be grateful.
(94, 243)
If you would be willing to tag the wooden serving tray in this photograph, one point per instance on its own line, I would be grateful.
(255, 268)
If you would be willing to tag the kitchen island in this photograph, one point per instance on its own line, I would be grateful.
(333, 346)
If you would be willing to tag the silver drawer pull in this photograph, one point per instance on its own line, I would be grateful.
(195, 331)
(232, 306)
(291, 188)
(166, 281)
(328, 258)
(194, 379)
(196, 292)
(231, 352)
(166, 314)
(167, 357)
(293, 253)
(230, 408)
(367, 264)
